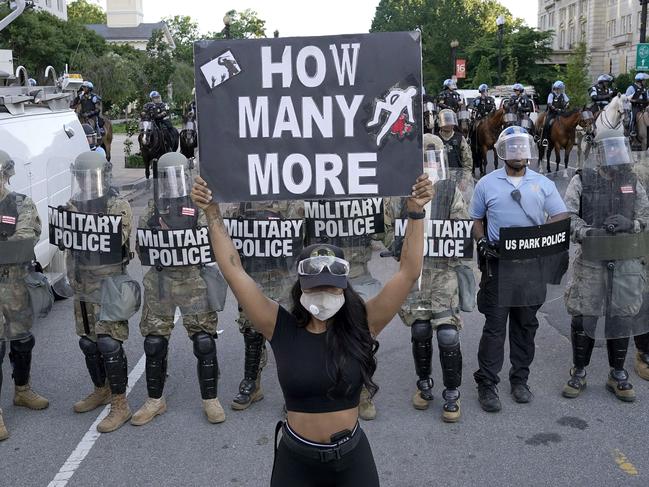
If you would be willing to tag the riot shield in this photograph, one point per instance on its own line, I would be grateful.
(532, 260)
(351, 225)
(90, 221)
(173, 241)
(609, 271)
(510, 119)
(269, 236)
(448, 248)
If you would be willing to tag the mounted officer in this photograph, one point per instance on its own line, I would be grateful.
(601, 93)
(484, 104)
(638, 97)
(449, 97)
(90, 106)
(558, 103)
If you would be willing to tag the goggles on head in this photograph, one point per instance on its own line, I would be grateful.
(313, 266)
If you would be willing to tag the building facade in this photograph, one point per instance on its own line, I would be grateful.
(58, 8)
(610, 29)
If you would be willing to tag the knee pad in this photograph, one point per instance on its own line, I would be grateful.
(106, 344)
(448, 336)
(203, 344)
(421, 330)
(155, 346)
(87, 346)
(24, 345)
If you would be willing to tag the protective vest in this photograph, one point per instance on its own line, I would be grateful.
(454, 150)
(485, 105)
(601, 198)
(639, 93)
(9, 210)
(176, 213)
(559, 102)
(88, 103)
(451, 99)
(600, 95)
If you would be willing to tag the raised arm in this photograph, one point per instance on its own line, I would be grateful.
(261, 311)
(385, 305)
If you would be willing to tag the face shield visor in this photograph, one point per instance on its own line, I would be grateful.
(88, 184)
(517, 147)
(614, 151)
(174, 182)
(435, 165)
(447, 119)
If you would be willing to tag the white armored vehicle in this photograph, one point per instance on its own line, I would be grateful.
(43, 136)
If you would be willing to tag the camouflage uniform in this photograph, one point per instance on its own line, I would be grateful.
(587, 294)
(86, 280)
(435, 306)
(276, 284)
(172, 287)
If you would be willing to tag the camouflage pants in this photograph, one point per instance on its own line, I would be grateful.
(153, 324)
(437, 301)
(16, 317)
(116, 329)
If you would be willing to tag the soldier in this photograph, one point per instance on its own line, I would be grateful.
(358, 250)
(100, 340)
(606, 201)
(449, 97)
(601, 93)
(275, 283)
(435, 306)
(90, 104)
(166, 288)
(19, 222)
(458, 152)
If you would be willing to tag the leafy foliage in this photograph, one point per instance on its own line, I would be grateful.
(243, 25)
(184, 32)
(85, 12)
(577, 79)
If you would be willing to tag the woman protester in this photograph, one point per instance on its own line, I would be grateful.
(324, 348)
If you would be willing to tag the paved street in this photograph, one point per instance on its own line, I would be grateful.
(594, 440)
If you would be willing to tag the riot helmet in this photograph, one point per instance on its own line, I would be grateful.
(612, 149)
(91, 175)
(515, 144)
(88, 85)
(450, 84)
(174, 176)
(91, 135)
(641, 77)
(155, 97)
(32, 82)
(447, 118)
(559, 86)
(518, 88)
(483, 88)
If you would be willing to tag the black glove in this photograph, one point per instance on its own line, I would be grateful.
(618, 223)
(486, 251)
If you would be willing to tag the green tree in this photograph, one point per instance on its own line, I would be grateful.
(243, 25)
(183, 82)
(184, 32)
(510, 75)
(158, 66)
(39, 39)
(624, 80)
(577, 79)
(483, 72)
(85, 12)
(112, 75)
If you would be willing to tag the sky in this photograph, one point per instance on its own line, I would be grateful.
(295, 17)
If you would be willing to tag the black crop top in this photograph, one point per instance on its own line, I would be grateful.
(306, 374)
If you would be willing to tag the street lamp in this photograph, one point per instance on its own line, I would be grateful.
(227, 20)
(454, 44)
(500, 22)
(276, 34)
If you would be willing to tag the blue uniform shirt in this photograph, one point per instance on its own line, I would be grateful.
(492, 198)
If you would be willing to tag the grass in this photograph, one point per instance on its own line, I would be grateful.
(134, 161)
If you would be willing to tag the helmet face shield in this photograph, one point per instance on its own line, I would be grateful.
(174, 182)
(516, 147)
(88, 184)
(614, 151)
(447, 118)
(435, 165)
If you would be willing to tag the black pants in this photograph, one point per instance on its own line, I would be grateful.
(522, 330)
(355, 469)
(642, 343)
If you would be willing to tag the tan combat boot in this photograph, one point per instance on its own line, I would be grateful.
(618, 383)
(4, 434)
(213, 411)
(641, 366)
(150, 409)
(119, 414)
(366, 408)
(24, 396)
(99, 397)
(419, 402)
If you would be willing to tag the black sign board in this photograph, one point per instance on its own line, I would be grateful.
(174, 248)
(310, 117)
(344, 218)
(535, 241)
(445, 239)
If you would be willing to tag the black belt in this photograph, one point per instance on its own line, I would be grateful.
(324, 453)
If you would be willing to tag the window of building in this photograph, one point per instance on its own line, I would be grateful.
(583, 7)
(582, 33)
(562, 15)
(59, 5)
(562, 39)
(542, 22)
(629, 24)
(610, 29)
(48, 3)
(623, 24)
(572, 36)
(551, 20)
(572, 11)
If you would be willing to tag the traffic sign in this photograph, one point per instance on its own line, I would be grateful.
(642, 57)
(460, 68)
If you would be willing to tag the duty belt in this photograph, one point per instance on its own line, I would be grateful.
(324, 454)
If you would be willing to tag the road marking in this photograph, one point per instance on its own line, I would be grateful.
(73, 462)
(623, 462)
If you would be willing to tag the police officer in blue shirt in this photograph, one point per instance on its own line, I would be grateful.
(513, 196)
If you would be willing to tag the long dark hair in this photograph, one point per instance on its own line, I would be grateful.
(348, 338)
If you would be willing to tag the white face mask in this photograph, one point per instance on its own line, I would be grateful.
(322, 305)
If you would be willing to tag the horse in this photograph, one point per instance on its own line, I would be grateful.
(188, 137)
(487, 131)
(642, 125)
(153, 144)
(561, 135)
(105, 141)
(615, 116)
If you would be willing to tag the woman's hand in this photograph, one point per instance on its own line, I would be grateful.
(422, 193)
(202, 196)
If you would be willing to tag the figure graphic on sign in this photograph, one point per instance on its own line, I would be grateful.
(220, 69)
(395, 103)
